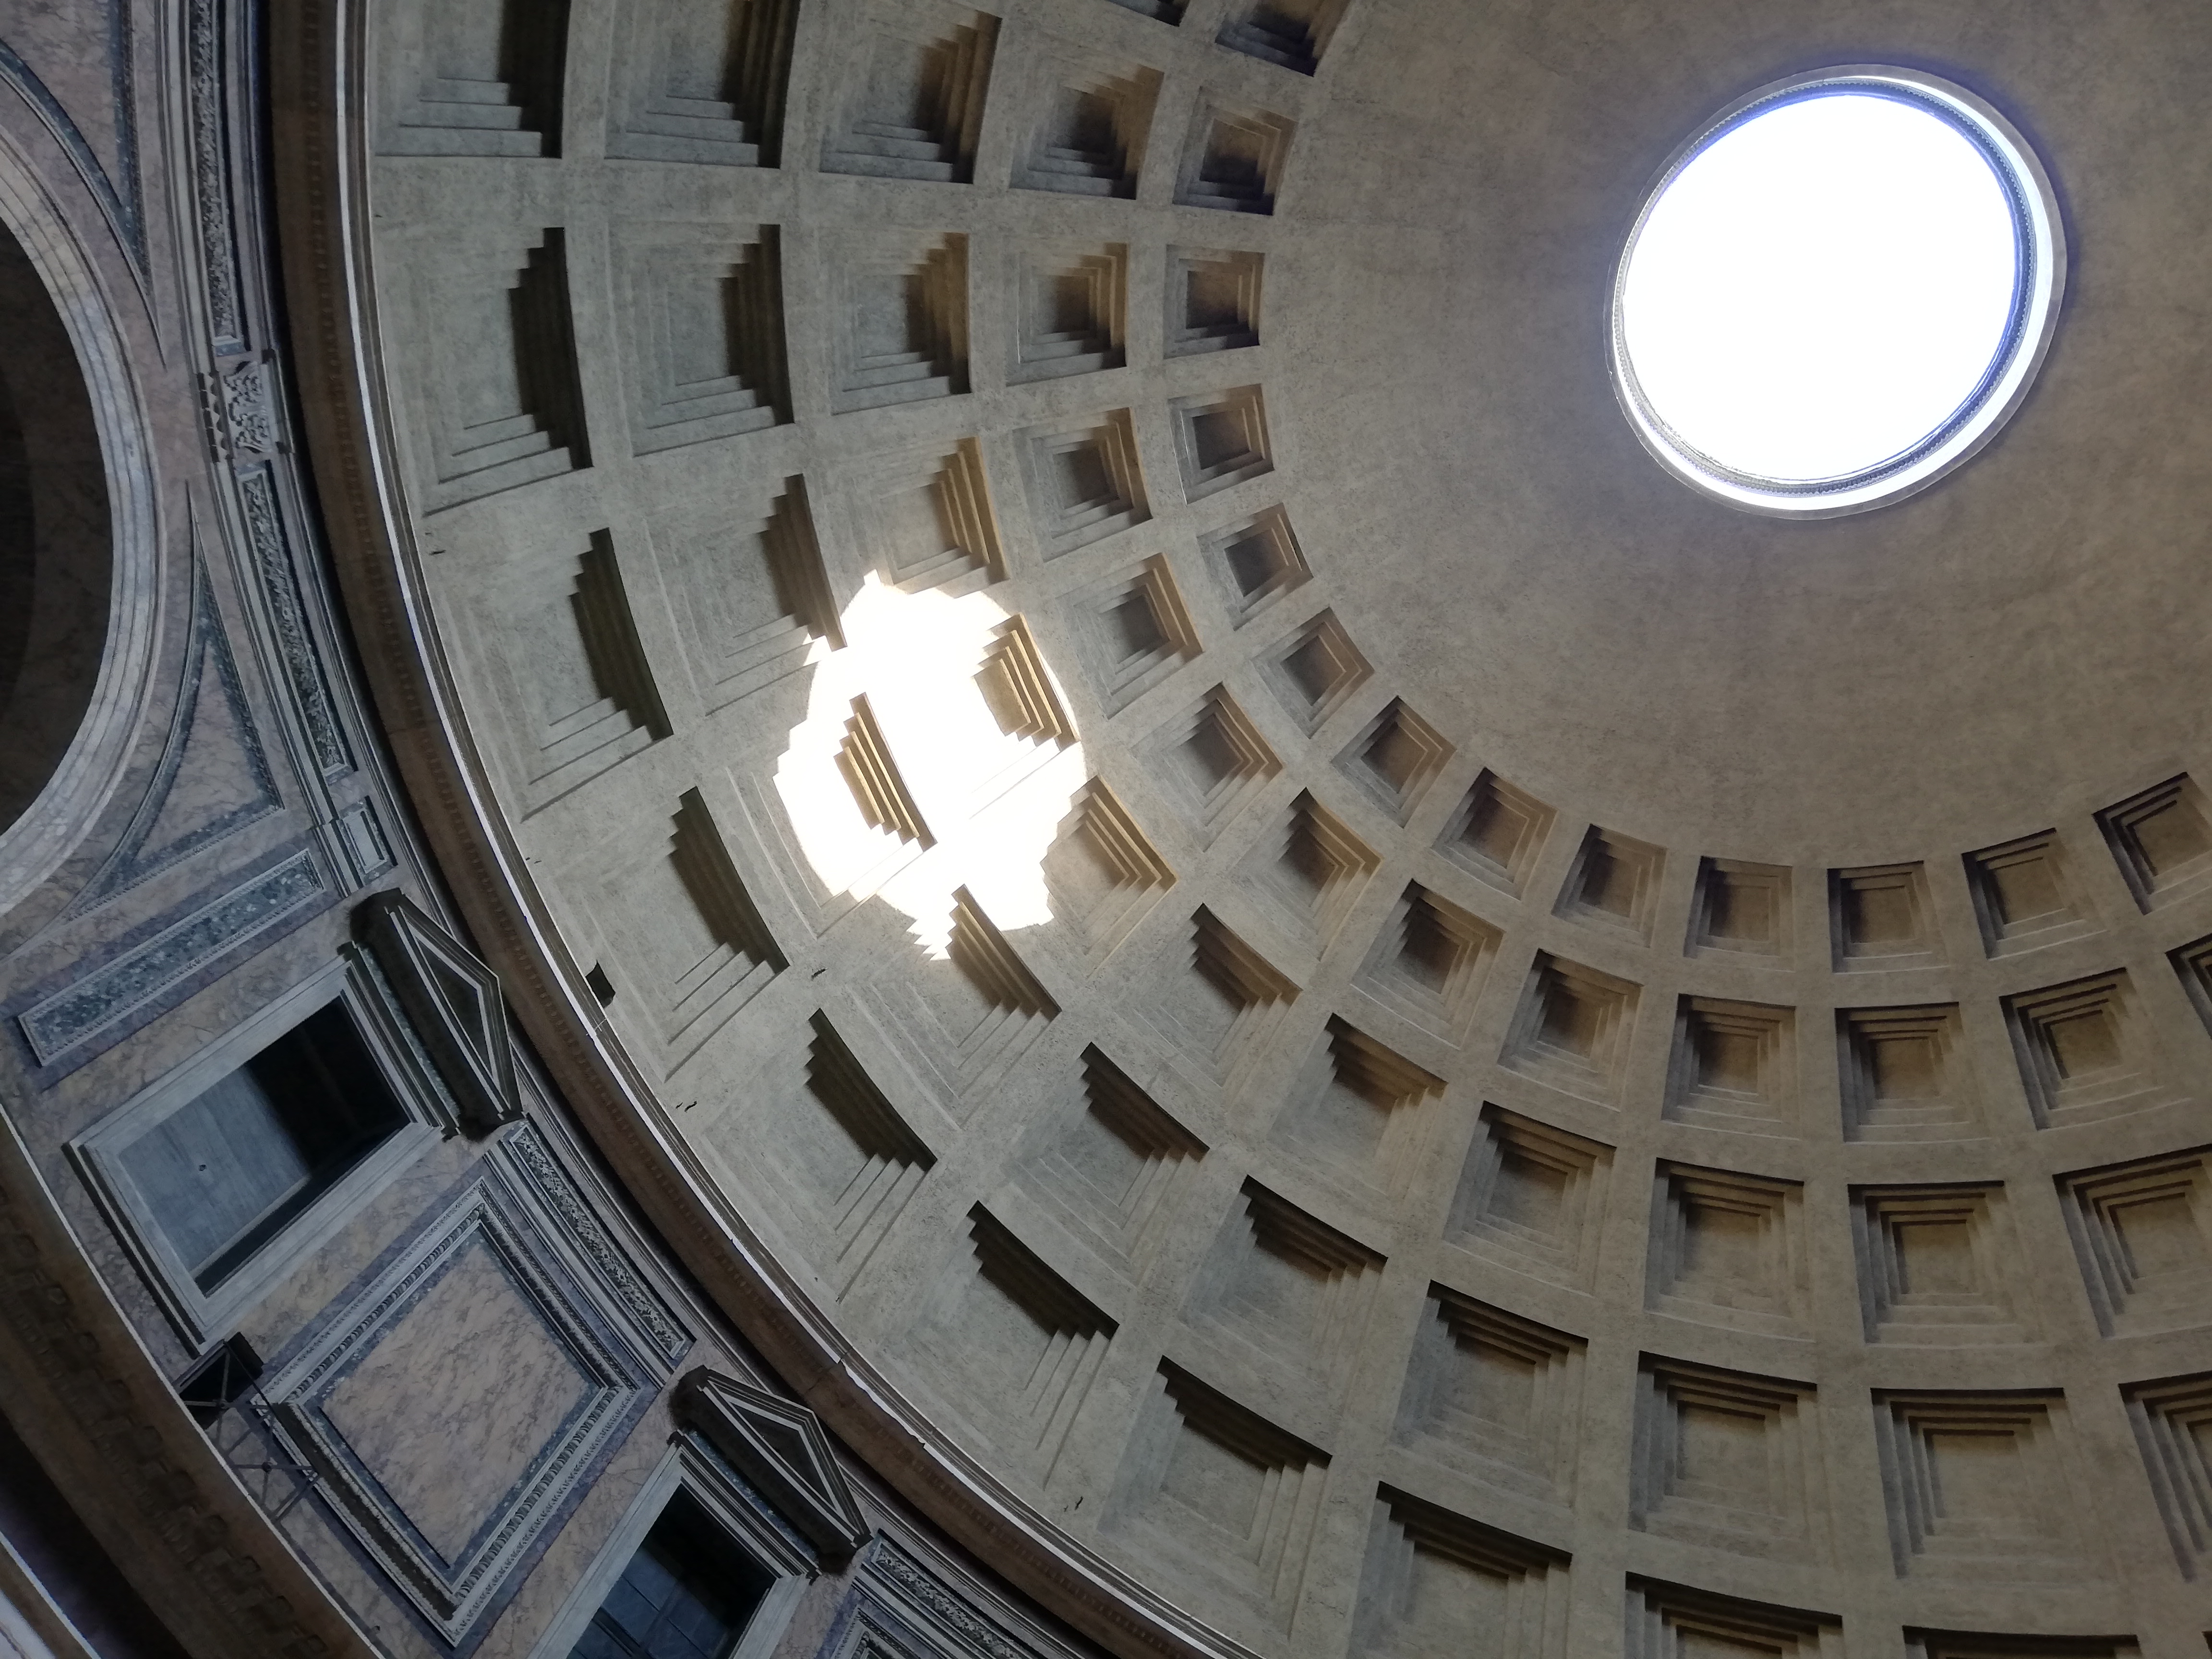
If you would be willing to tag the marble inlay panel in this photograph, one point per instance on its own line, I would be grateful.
(456, 1406)
(90, 1004)
(214, 776)
(457, 1397)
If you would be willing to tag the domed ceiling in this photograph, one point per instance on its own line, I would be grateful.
(1945, 671)
(1322, 1009)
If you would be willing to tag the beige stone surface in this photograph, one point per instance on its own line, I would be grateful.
(1445, 1003)
(457, 1398)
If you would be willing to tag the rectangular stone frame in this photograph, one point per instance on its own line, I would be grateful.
(599, 1340)
(692, 1465)
(202, 1318)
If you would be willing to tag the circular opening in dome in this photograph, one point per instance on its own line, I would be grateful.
(1836, 292)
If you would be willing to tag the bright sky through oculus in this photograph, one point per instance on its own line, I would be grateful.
(1821, 288)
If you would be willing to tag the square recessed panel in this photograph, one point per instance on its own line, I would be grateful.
(448, 1470)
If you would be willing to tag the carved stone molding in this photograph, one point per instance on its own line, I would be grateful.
(453, 1002)
(567, 1387)
(36, 844)
(781, 1449)
(526, 1148)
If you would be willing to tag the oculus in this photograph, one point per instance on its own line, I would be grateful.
(1836, 292)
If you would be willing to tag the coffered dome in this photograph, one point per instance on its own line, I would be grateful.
(1323, 1011)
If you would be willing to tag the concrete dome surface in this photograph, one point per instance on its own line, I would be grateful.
(1472, 1021)
(908, 828)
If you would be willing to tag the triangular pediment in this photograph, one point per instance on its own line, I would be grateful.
(779, 1446)
(452, 1000)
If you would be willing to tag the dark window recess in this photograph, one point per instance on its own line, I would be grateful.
(226, 1172)
(687, 1594)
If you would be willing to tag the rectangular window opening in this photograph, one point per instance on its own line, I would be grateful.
(689, 1592)
(229, 1169)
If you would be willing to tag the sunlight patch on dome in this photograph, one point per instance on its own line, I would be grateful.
(903, 783)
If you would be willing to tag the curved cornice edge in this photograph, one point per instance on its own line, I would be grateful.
(323, 214)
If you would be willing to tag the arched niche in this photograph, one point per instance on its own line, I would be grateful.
(77, 540)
